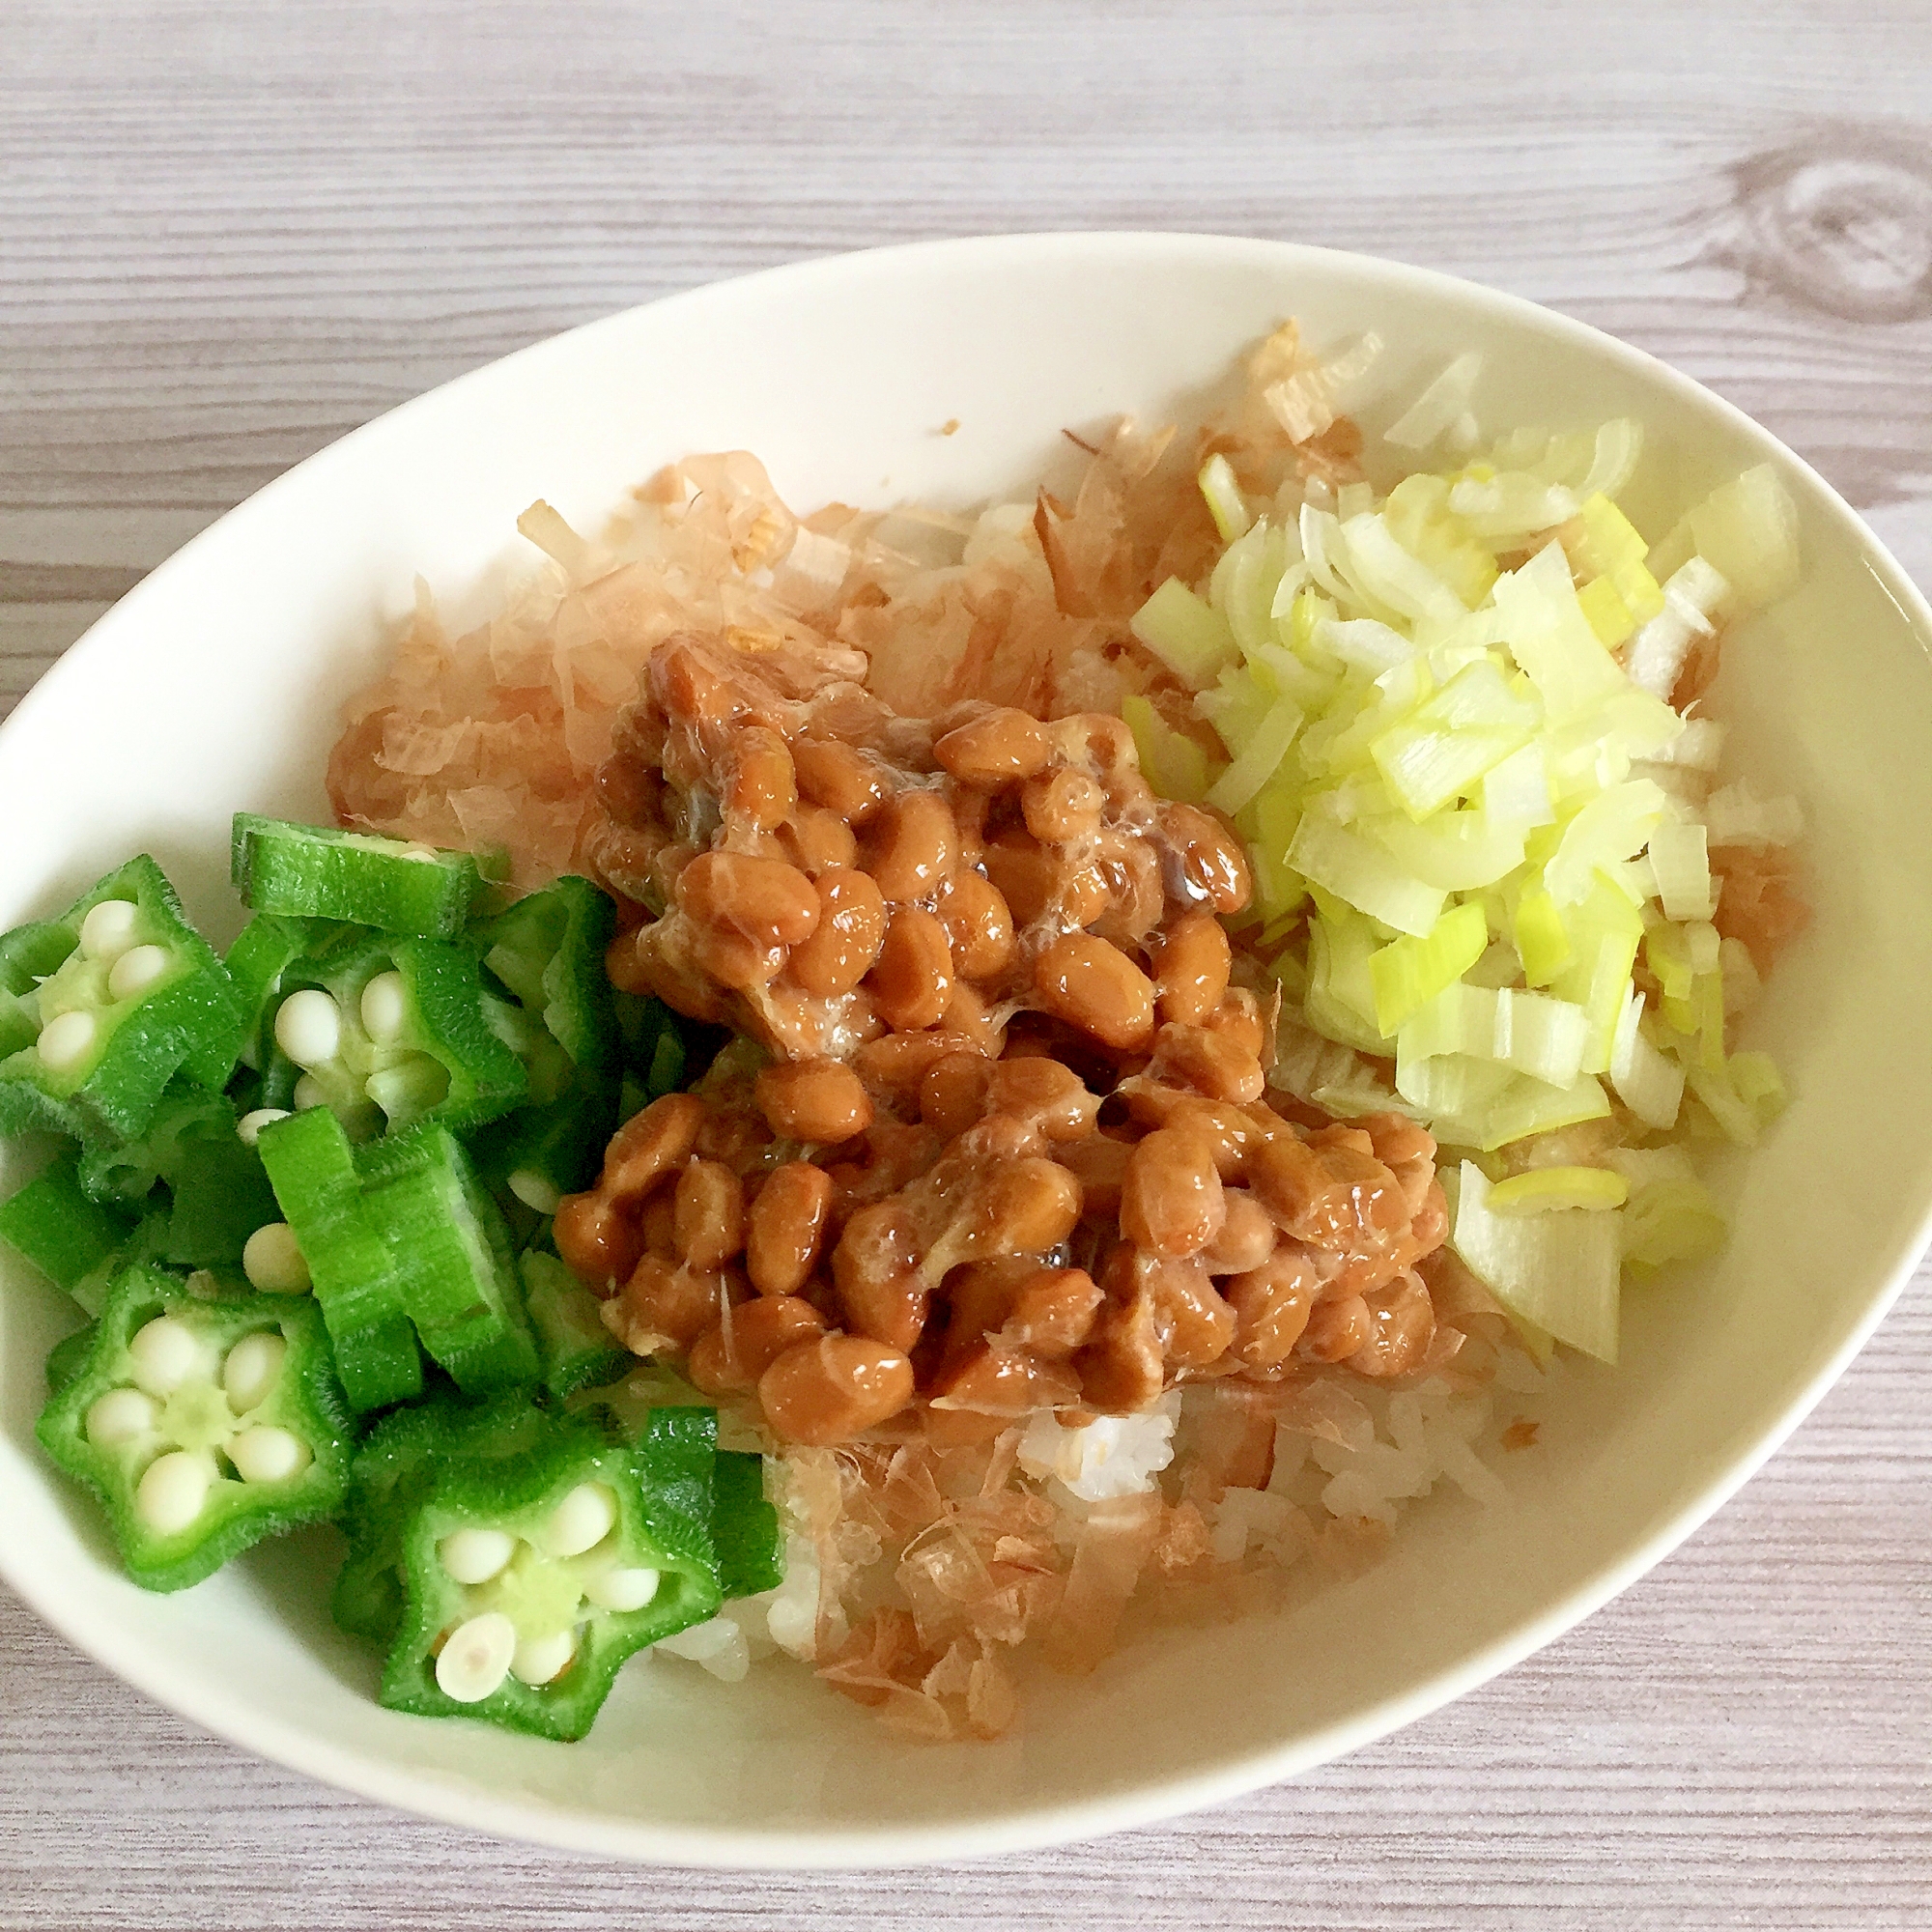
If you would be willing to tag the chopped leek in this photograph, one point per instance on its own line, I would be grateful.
(1670, 1216)
(1614, 825)
(1225, 502)
(1681, 864)
(1259, 758)
(1176, 766)
(1551, 638)
(1409, 972)
(1735, 816)
(1478, 778)
(1340, 1000)
(1657, 653)
(1528, 1031)
(1528, 1106)
(1558, 1270)
(1544, 1188)
(1190, 636)
(1758, 1084)
(1441, 407)
(1354, 868)
(1747, 529)
(1541, 941)
(1647, 1080)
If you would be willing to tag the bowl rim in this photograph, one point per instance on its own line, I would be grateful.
(534, 1820)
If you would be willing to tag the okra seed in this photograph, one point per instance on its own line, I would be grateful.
(309, 1028)
(120, 1416)
(66, 1041)
(540, 1659)
(133, 973)
(581, 1522)
(422, 855)
(476, 1658)
(165, 1354)
(383, 1007)
(475, 1555)
(173, 1490)
(108, 929)
(249, 1127)
(273, 1262)
(266, 1454)
(253, 1367)
(622, 1589)
(535, 1191)
(309, 1093)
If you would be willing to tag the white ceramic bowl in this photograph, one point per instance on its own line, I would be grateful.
(213, 684)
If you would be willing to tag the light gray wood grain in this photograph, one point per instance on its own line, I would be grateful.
(229, 233)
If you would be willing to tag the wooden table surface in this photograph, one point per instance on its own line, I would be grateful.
(229, 233)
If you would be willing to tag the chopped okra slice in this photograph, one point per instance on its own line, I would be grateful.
(56, 1224)
(69, 1356)
(574, 1349)
(353, 1271)
(452, 1260)
(387, 1035)
(318, 871)
(527, 1583)
(395, 1471)
(264, 950)
(218, 1193)
(402, 1244)
(547, 953)
(745, 1526)
(145, 1246)
(101, 1008)
(203, 1425)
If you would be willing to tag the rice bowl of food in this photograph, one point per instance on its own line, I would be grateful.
(856, 1026)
